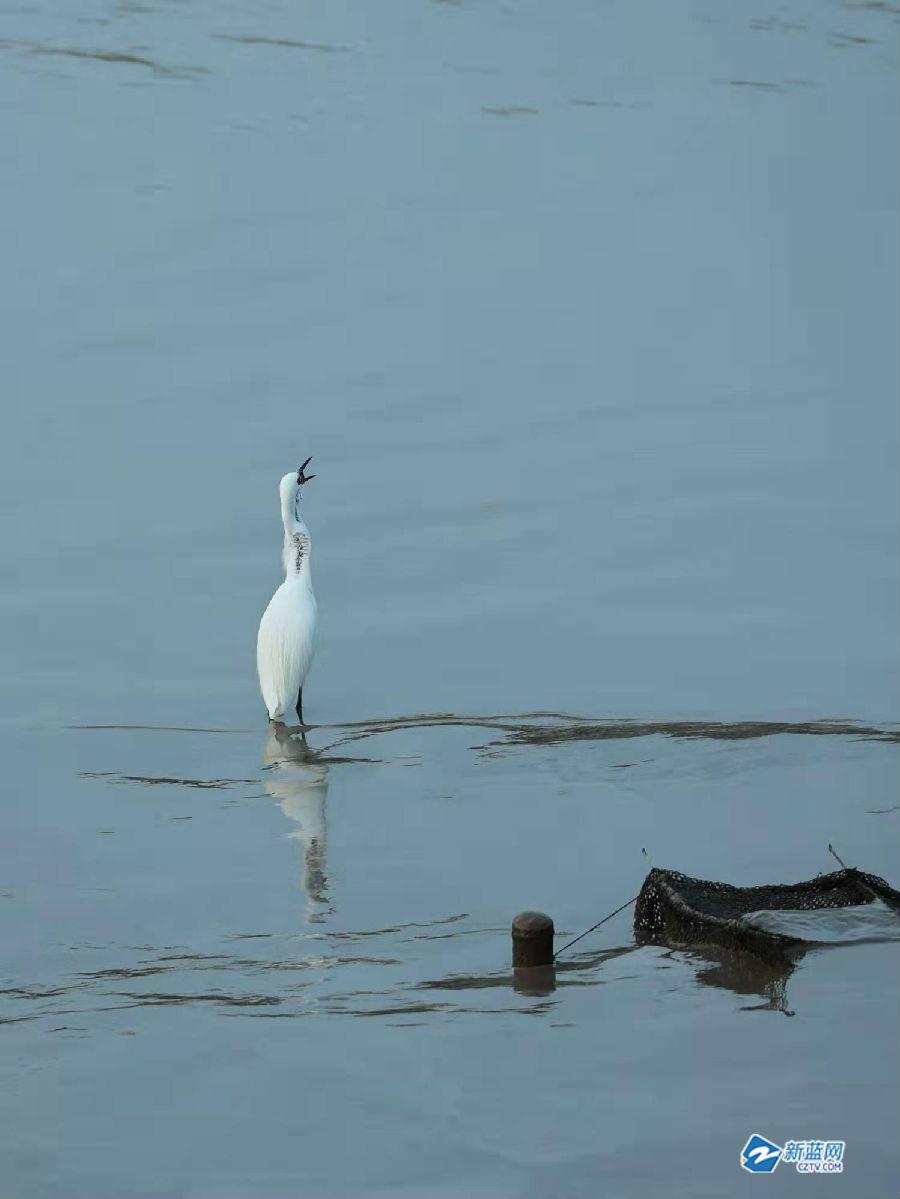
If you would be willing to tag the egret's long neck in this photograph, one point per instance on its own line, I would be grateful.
(297, 545)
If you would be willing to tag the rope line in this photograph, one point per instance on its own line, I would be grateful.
(833, 853)
(569, 944)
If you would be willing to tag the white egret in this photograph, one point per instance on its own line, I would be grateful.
(287, 632)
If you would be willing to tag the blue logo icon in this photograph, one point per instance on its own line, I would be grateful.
(760, 1156)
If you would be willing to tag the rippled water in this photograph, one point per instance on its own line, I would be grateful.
(588, 315)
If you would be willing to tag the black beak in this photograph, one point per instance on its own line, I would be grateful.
(301, 477)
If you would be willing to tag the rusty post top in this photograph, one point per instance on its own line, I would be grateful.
(532, 924)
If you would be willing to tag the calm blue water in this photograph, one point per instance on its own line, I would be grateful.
(588, 316)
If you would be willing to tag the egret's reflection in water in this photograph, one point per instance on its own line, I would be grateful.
(297, 777)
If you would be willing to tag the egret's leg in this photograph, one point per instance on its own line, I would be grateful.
(300, 705)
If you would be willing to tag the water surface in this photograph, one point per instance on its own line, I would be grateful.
(588, 315)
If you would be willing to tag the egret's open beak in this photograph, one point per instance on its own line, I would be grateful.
(301, 477)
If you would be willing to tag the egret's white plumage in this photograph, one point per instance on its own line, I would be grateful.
(287, 632)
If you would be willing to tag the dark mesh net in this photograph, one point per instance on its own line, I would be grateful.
(674, 909)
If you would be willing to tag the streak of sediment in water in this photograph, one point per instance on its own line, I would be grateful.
(556, 728)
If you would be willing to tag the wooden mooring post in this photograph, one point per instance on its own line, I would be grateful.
(532, 940)
(532, 954)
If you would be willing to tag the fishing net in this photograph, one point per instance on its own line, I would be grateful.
(674, 909)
